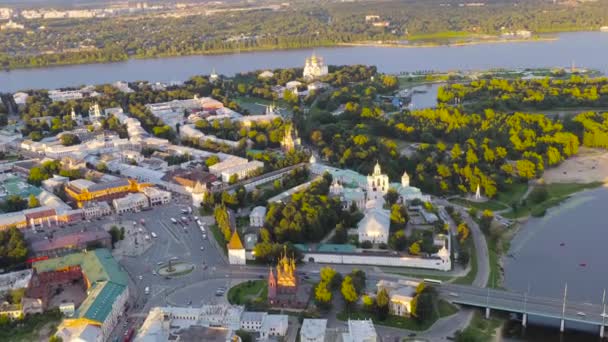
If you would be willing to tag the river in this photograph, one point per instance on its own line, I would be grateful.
(588, 49)
(567, 245)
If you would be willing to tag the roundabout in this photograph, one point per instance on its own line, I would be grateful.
(175, 269)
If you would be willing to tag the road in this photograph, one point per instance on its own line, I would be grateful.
(521, 303)
(211, 271)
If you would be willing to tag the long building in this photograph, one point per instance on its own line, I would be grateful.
(107, 289)
(82, 190)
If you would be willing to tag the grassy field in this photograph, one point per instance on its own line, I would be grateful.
(249, 291)
(33, 328)
(503, 199)
(491, 204)
(442, 309)
(470, 276)
(481, 329)
(557, 193)
(219, 237)
(438, 35)
(256, 105)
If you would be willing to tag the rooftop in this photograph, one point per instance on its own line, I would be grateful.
(106, 278)
(313, 328)
(68, 240)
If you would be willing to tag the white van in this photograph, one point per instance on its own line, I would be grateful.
(147, 290)
(154, 235)
(173, 220)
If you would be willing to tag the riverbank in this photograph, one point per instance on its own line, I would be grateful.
(427, 44)
(69, 58)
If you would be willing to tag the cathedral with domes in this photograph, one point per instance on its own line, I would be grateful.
(314, 67)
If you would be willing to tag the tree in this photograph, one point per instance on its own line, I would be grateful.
(244, 335)
(56, 338)
(323, 295)
(68, 139)
(212, 160)
(349, 293)
(415, 248)
(14, 203)
(33, 202)
(102, 167)
(382, 304)
(368, 303)
(14, 250)
(391, 196)
(115, 234)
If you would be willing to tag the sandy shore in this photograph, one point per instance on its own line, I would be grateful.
(590, 165)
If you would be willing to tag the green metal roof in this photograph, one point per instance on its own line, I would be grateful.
(326, 248)
(98, 305)
(107, 279)
(97, 265)
(15, 186)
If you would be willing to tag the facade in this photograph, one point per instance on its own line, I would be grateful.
(242, 171)
(313, 330)
(283, 289)
(349, 255)
(401, 296)
(131, 202)
(257, 217)
(377, 183)
(189, 324)
(157, 196)
(375, 225)
(96, 209)
(314, 67)
(236, 251)
(82, 190)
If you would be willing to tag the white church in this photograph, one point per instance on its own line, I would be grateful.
(314, 67)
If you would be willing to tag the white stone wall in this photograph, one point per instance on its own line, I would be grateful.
(364, 259)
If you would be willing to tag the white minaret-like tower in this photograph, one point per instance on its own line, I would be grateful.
(405, 180)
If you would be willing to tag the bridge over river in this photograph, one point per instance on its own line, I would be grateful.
(560, 309)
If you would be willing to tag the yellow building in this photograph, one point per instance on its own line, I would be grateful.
(82, 190)
(286, 272)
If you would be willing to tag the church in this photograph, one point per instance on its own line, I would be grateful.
(314, 68)
(284, 289)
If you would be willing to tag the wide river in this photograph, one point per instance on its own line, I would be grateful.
(588, 49)
(567, 245)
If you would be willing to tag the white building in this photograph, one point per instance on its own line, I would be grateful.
(20, 98)
(131, 202)
(315, 67)
(266, 74)
(162, 322)
(58, 95)
(377, 183)
(313, 330)
(11, 25)
(241, 171)
(401, 294)
(157, 196)
(375, 226)
(257, 217)
(93, 209)
(360, 331)
(122, 86)
(236, 250)
(274, 326)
